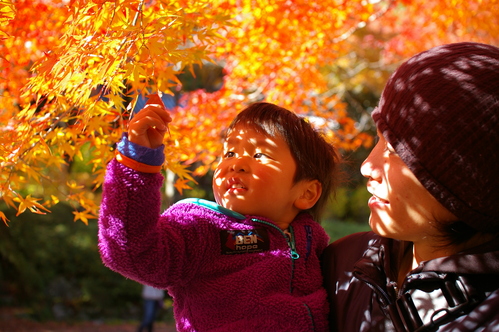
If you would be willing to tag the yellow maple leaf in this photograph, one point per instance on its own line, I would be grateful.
(55, 199)
(29, 203)
(4, 218)
(74, 185)
(83, 216)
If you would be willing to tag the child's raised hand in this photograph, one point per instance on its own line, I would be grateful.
(148, 127)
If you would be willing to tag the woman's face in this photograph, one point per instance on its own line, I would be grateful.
(401, 208)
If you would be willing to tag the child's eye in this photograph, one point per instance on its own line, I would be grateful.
(259, 155)
(229, 154)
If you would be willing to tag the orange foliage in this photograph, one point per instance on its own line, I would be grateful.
(64, 65)
(415, 26)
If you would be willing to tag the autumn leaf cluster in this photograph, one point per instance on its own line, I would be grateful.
(71, 72)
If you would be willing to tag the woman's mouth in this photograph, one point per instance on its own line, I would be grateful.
(377, 201)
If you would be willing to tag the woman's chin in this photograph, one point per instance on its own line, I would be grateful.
(378, 227)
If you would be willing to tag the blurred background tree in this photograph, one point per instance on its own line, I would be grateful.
(72, 73)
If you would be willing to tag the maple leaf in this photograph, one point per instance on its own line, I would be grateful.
(74, 185)
(9, 199)
(7, 13)
(29, 203)
(181, 184)
(55, 199)
(84, 216)
(4, 218)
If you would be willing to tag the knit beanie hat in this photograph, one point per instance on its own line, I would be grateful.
(440, 112)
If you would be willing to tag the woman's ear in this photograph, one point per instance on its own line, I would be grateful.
(311, 191)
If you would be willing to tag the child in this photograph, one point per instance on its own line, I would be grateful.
(248, 263)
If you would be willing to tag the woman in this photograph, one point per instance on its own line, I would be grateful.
(431, 261)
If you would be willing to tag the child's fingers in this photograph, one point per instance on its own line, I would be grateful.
(158, 110)
(147, 130)
(149, 125)
(152, 110)
(155, 100)
(147, 120)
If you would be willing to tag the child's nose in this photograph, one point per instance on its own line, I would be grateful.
(239, 164)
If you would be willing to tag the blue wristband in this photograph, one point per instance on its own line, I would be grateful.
(142, 154)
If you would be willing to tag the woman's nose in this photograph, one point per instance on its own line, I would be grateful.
(365, 169)
(369, 167)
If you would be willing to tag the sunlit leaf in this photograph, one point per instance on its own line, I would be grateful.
(83, 216)
(31, 204)
(180, 185)
(4, 218)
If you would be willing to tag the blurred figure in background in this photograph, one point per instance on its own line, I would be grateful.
(153, 300)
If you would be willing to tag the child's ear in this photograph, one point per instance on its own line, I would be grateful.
(311, 192)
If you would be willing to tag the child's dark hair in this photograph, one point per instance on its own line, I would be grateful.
(316, 159)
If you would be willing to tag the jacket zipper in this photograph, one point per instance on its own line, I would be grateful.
(294, 256)
(291, 245)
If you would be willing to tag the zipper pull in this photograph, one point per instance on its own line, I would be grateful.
(291, 241)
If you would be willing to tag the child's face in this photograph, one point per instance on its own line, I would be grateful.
(255, 176)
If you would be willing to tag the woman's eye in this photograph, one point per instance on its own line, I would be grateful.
(390, 149)
(259, 155)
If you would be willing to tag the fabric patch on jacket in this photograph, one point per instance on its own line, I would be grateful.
(242, 241)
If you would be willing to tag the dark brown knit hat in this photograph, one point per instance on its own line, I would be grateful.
(440, 111)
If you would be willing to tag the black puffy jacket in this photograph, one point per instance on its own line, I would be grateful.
(454, 293)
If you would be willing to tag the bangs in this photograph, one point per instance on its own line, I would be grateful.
(266, 122)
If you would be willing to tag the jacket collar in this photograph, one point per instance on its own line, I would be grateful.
(483, 259)
(434, 293)
(382, 258)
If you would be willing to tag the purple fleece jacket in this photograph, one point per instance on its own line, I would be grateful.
(225, 271)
